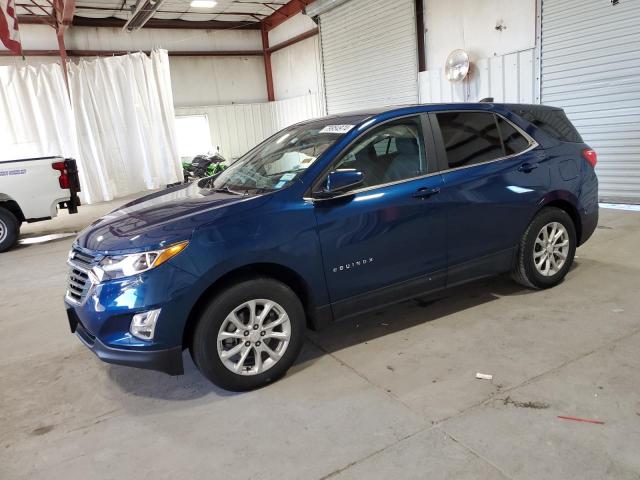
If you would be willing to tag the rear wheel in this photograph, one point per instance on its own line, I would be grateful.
(249, 334)
(9, 229)
(546, 250)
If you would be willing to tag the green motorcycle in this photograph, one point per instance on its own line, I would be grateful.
(203, 166)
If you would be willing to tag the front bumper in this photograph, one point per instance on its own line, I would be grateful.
(166, 360)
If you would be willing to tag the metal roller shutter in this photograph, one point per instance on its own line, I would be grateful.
(591, 67)
(369, 52)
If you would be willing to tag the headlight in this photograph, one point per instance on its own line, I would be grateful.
(120, 266)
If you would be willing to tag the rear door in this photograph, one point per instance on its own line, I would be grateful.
(386, 239)
(493, 177)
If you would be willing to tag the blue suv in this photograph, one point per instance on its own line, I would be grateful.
(326, 219)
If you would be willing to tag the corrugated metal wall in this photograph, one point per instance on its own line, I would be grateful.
(369, 52)
(591, 68)
(238, 128)
(506, 78)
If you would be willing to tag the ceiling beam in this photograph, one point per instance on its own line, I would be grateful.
(293, 40)
(37, 5)
(268, 72)
(93, 8)
(36, 20)
(160, 23)
(68, 7)
(284, 13)
(110, 53)
(63, 10)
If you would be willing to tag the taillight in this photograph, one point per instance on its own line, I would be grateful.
(590, 156)
(63, 180)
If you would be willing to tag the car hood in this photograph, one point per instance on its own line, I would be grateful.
(159, 219)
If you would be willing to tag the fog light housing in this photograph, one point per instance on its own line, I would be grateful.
(143, 325)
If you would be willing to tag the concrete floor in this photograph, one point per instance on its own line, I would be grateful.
(388, 395)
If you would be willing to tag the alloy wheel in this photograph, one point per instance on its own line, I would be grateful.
(253, 337)
(4, 231)
(551, 249)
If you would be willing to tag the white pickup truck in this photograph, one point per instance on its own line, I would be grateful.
(32, 190)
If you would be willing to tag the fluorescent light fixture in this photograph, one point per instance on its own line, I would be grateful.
(203, 3)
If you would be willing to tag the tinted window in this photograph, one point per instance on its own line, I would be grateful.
(469, 137)
(514, 141)
(552, 121)
(389, 153)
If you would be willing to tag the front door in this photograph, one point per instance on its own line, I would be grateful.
(387, 238)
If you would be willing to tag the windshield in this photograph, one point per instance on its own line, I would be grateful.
(279, 160)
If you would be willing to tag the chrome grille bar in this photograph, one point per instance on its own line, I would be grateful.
(79, 282)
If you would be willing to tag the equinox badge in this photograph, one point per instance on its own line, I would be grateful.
(349, 266)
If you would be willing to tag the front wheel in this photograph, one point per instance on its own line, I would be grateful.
(9, 229)
(546, 250)
(249, 334)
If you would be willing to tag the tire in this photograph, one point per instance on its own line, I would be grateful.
(9, 229)
(534, 249)
(243, 370)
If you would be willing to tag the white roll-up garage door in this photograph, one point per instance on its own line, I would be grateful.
(591, 67)
(370, 54)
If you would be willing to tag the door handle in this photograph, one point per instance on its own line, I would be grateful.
(527, 167)
(425, 192)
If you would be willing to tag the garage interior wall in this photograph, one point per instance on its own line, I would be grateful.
(235, 79)
(238, 128)
(369, 54)
(591, 68)
(297, 77)
(471, 26)
(505, 78)
(297, 69)
(503, 63)
(235, 97)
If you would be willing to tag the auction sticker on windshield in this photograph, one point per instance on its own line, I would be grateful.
(338, 129)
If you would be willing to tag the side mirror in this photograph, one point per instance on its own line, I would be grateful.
(338, 182)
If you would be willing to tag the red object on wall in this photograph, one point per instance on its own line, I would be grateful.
(9, 33)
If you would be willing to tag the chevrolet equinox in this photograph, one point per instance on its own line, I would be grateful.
(326, 219)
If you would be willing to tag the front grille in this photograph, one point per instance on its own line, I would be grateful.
(83, 259)
(79, 282)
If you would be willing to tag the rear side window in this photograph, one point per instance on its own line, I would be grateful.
(553, 122)
(469, 137)
(514, 141)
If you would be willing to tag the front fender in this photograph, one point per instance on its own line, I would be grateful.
(282, 236)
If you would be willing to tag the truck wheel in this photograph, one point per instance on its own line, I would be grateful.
(249, 334)
(546, 250)
(9, 229)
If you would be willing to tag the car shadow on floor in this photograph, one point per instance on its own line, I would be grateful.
(416, 311)
(349, 332)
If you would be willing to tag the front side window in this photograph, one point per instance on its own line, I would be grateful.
(389, 153)
(279, 160)
(469, 137)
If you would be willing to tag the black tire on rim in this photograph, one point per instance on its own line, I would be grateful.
(546, 250)
(249, 334)
(9, 229)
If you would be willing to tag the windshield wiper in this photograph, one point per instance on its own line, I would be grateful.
(226, 190)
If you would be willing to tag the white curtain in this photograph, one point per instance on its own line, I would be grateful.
(119, 124)
(123, 108)
(36, 119)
